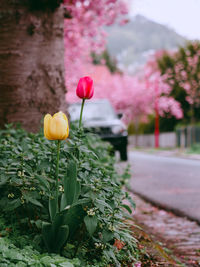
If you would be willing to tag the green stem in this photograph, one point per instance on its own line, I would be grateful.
(81, 114)
(57, 170)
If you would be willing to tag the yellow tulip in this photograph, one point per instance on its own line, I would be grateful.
(56, 127)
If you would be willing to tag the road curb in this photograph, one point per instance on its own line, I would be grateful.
(159, 205)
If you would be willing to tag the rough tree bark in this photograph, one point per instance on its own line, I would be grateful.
(31, 63)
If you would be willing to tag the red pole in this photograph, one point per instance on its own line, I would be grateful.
(156, 132)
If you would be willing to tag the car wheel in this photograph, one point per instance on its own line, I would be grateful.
(123, 153)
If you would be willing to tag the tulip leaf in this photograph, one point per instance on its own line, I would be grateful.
(47, 234)
(77, 191)
(70, 183)
(59, 220)
(61, 237)
(74, 218)
(63, 202)
(52, 208)
(81, 201)
(55, 234)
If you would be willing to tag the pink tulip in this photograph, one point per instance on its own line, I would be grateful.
(85, 89)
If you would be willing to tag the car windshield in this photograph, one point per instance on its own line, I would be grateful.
(101, 110)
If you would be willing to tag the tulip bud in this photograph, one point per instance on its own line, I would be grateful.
(85, 89)
(56, 127)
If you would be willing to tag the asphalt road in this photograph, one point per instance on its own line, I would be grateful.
(170, 182)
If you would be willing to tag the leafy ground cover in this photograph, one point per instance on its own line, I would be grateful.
(98, 221)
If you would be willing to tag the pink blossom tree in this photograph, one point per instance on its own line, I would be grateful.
(134, 96)
(84, 32)
(161, 91)
(181, 71)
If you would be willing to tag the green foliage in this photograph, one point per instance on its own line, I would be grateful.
(143, 128)
(71, 186)
(109, 61)
(165, 125)
(16, 249)
(11, 256)
(90, 196)
(165, 63)
(194, 149)
(185, 60)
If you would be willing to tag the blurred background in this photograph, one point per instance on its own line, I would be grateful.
(149, 71)
(144, 57)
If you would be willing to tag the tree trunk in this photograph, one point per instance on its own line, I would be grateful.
(31, 63)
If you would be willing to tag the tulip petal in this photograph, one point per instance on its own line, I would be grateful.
(58, 114)
(91, 93)
(89, 87)
(64, 117)
(47, 120)
(85, 88)
(67, 133)
(58, 128)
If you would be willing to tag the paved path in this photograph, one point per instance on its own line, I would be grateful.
(171, 182)
(167, 230)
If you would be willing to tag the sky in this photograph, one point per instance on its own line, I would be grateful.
(181, 15)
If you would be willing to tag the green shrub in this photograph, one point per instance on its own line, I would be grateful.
(194, 149)
(27, 172)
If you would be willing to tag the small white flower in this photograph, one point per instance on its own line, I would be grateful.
(21, 173)
(22, 200)
(11, 195)
(32, 188)
(112, 228)
(61, 188)
(91, 212)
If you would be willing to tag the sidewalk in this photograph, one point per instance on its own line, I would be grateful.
(174, 238)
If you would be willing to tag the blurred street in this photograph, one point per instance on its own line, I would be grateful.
(170, 182)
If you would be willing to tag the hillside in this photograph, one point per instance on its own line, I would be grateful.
(133, 42)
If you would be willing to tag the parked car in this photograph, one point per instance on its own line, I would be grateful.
(99, 117)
